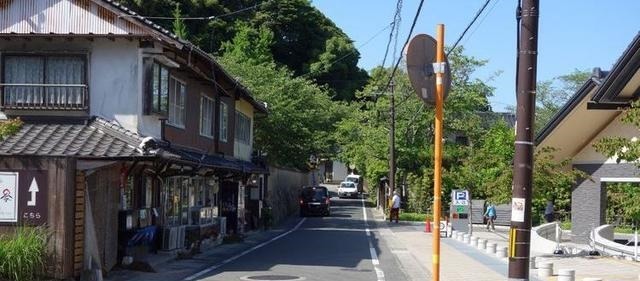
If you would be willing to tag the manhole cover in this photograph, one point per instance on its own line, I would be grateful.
(273, 278)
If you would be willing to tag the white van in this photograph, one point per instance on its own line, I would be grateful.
(357, 179)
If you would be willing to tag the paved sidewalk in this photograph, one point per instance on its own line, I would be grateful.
(460, 261)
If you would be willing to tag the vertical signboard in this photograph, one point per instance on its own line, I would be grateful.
(8, 197)
(32, 206)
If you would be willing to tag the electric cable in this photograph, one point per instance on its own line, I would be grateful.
(413, 25)
(394, 29)
(198, 18)
(469, 26)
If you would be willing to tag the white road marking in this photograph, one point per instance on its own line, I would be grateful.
(216, 266)
(372, 250)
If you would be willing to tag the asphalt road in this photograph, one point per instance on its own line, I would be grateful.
(344, 246)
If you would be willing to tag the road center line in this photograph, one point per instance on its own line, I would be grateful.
(372, 250)
(216, 266)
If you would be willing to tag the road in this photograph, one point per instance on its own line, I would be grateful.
(344, 246)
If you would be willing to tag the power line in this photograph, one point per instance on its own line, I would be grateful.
(198, 18)
(495, 3)
(413, 25)
(394, 29)
(398, 22)
(355, 50)
(469, 26)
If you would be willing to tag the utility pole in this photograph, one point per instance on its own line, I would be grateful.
(392, 141)
(520, 232)
(437, 163)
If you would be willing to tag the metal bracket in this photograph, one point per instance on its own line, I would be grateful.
(439, 67)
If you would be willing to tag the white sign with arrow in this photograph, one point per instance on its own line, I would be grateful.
(33, 189)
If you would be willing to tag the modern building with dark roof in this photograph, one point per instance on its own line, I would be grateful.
(124, 123)
(592, 113)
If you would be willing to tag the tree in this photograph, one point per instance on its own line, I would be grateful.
(179, 28)
(301, 115)
(553, 94)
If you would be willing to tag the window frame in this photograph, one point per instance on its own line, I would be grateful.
(204, 97)
(241, 117)
(173, 87)
(158, 95)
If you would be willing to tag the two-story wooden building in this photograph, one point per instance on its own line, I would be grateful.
(133, 140)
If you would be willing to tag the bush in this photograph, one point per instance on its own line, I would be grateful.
(414, 216)
(22, 255)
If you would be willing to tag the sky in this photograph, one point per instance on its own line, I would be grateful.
(573, 34)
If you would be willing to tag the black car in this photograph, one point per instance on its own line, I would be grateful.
(315, 200)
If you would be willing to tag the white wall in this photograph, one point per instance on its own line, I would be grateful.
(115, 91)
(616, 128)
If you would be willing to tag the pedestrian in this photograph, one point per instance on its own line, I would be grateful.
(548, 211)
(490, 215)
(395, 207)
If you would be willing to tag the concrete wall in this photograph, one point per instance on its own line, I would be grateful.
(589, 196)
(282, 191)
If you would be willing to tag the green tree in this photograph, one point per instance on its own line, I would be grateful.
(179, 28)
(552, 94)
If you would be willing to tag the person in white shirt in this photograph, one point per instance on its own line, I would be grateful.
(395, 207)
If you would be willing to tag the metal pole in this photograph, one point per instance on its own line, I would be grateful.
(392, 141)
(519, 235)
(437, 176)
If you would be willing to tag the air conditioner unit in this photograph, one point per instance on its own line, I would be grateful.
(173, 237)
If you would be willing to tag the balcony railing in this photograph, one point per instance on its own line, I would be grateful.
(44, 96)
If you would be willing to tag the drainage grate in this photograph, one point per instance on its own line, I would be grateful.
(273, 278)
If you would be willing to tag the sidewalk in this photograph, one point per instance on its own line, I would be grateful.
(178, 269)
(460, 261)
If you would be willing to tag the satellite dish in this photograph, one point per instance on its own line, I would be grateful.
(421, 54)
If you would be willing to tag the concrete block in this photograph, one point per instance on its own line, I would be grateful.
(482, 244)
(545, 269)
(566, 274)
(474, 241)
(501, 252)
(591, 279)
(465, 238)
(491, 248)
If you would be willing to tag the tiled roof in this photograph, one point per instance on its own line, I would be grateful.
(97, 138)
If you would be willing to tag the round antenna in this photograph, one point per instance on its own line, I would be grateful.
(421, 54)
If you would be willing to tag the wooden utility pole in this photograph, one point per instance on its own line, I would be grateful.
(520, 232)
(437, 171)
(392, 141)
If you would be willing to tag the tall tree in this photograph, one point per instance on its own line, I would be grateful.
(553, 94)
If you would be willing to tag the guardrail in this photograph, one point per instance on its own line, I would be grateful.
(44, 96)
(602, 239)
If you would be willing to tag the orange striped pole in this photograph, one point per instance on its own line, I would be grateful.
(437, 175)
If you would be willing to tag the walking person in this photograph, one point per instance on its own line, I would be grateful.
(548, 211)
(490, 215)
(395, 207)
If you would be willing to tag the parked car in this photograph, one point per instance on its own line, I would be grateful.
(315, 200)
(357, 179)
(347, 189)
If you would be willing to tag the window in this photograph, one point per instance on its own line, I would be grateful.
(206, 116)
(243, 128)
(49, 81)
(160, 89)
(177, 97)
(224, 121)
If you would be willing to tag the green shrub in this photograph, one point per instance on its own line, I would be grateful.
(566, 225)
(22, 255)
(414, 216)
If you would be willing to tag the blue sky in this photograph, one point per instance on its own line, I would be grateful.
(574, 34)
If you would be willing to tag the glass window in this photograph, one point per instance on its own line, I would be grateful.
(206, 116)
(224, 121)
(177, 97)
(243, 128)
(44, 80)
(160, 89)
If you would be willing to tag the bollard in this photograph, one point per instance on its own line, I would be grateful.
(532, 262)
(591, 279)
(454, 234)
(545, 269)
(474, 241)
(491, 248)
(460, 236)
(465, 238)
(566, 275)
(501, 252)
(482, 244)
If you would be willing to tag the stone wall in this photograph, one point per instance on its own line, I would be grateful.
(282, 191)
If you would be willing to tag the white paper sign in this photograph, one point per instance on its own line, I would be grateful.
(517, 209)
(8, 197)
